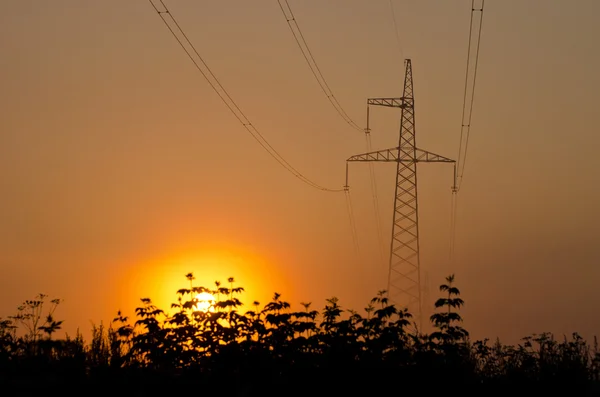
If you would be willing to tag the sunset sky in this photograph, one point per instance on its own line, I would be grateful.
(121, 170)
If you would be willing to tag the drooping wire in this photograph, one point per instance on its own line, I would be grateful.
(453, 210)
(216, 85)
(374, 190)
(396, 30)
(312, 63)
(375, 200)
(469, 97)
(352, 222)
(467, 113)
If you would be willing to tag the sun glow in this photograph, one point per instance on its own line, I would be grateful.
(160, 278)
(205, 302)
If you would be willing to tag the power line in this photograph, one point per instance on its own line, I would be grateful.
(312, 63)
(318, 75)
(396, 30)
(453, 210)
(216, 85)
(352, 222)
(374, 189)
(467, 111)
(375, 203)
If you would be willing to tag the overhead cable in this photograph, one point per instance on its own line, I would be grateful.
(312, 63)
(183, 40)
(469, 95)
(352, 222)
(467, 115)
(374, 189)
(396, 30)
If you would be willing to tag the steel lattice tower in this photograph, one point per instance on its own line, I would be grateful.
(404, 275)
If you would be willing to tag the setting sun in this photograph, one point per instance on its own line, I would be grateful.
(205, 301)
(162, 276)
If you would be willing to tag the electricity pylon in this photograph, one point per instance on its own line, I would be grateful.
(404, 274)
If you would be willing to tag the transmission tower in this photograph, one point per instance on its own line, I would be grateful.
(404, 274)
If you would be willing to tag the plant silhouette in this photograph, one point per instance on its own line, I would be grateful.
(448, 319)
(274, 350)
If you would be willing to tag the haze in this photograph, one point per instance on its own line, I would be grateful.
(121, 170)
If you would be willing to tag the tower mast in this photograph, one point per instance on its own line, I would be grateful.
(404, 273)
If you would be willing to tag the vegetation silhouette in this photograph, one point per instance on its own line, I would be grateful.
(275, 350)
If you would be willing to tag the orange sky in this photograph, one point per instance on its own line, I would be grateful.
(121, 170)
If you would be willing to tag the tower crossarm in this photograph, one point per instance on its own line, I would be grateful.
(379, 155)
(423, 156)
(390, 102)
(401, 154)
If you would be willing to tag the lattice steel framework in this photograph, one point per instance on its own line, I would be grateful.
(404, 275)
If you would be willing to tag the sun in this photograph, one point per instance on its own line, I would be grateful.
(205, 301)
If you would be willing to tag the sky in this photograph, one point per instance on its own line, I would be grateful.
(121, 170)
